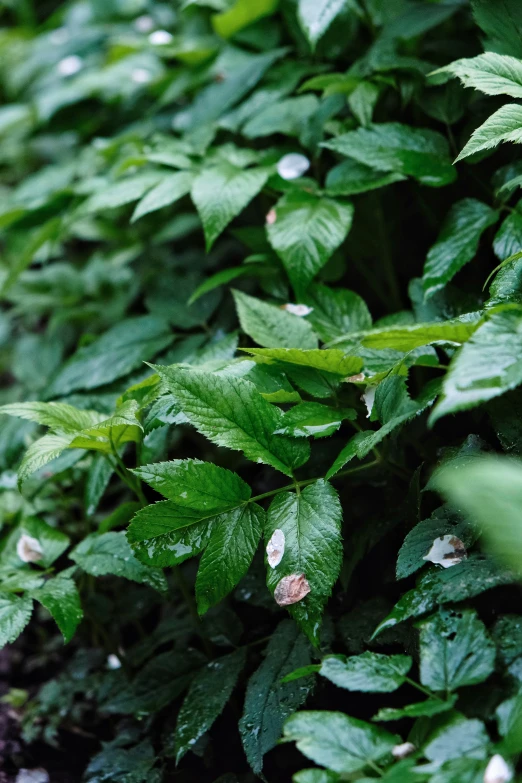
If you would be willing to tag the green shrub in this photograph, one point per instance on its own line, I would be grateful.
(261, 343)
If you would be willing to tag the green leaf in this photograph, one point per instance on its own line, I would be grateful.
(457, 242)
(337, 312)
(456, 738)
(127, 765)
(337, 741)
(491, 73)
(40, 453)
(220, 193)
(351, 177)
(504, 125)
(490, 491)
(15, 613)
(485, 367)
(268, 701)
(408, 337)
(508, 239)
(123, 192)
(122, 427)
(53, 542)
(209, 692)
(313, 419)
(316, 16)
(443, 521)
(272, 327)
(58, 416)
(167, 191)
(315, 776)
(197, 485)
(98, 478)
(288, 117)
(222, 277)
(455, 650)
(116, 353)
(110, 553)
(422, 709)
(329, 361)
(502, 23)
(60, 597)
(230, 412)
(241, 14)
(450, 585)
(401, 149)
(370, 672)
(311, 523)
(233, 542)
(306, 231)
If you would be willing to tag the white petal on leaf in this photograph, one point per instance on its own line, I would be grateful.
(369, 398)
(446, 551)
(144, 24)
(292, 166)
(275, 548)
(141, 76)
(113, 662)
(497, 771)
(271, 217)
(70, 65)
(297, 309)
(403, 750)
(291, 589)
(29, 549)
(160, 38)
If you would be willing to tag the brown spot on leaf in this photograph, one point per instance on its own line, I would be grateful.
(291, 589)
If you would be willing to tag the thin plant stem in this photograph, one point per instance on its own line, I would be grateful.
(424, 690)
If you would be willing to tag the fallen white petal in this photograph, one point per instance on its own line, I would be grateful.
(70, 65)
(297, 309)
(29, 549)
(160, 38)
(271, 217)
(292, 166)
(113, 662)
(291, 589)
(141, 76)
(144, 24)
(39, 775)
(369, 398)
(403, 750)
(497, 771)
(275, 548)
(446, 551)
(355, 378)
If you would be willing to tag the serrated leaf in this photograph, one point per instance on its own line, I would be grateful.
(502, 23)
(123, 192)
(227, 557)
(485, 367)
(209, 692)
(306, 231)
(489, 489)
(455, 650)
(241, 14)
(313, 419)
(369, 672)
(60, 597)
(457, 737)
(268, 701)
(272, 327)
(41, 452)
(316, 16)
(330, 360)
(15, 613)
(311, 522)
(457, 242)
(449, 585)
(504, 125)
(508, 239)
(222, 192)
(337, 312)
(422, 709)
(351, 177)
(58, 416)
(222, 277)
(167, 191)
(117, 352)
(127, 765)
(232, 413)
(443, 521)
(110, 553)
(122, 427)
(401, 149)
(98, 478)
(491, 73)
(337, 741)
(408, 337)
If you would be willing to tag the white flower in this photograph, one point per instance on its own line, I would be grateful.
(369, 398)
(70, 65)
(297, 309)
(292, 166)
(403, 750)
(113, 662)
(141, 76)
(275, 548)
(497, 771)
(446, 551)
(160, 38)
(144, 24)
(29, 549)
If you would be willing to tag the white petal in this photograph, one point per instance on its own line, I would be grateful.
(297, 309)
(29, 549)
(291, 589)
(144, 24)
(275, 548)
(160, 38)
(403, 750)
(446, 551)
(497, 771)
(39, 775)
(369, 398)
(141, 76)
(292, 166)
(113, 662)
(70, 65)
(271, 217)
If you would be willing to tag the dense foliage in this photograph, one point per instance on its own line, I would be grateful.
(261, 340)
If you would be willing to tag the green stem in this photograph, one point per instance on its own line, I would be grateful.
(424, 690)
(192, 608)
(375, 767)
(298, 484)
(132, 482)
